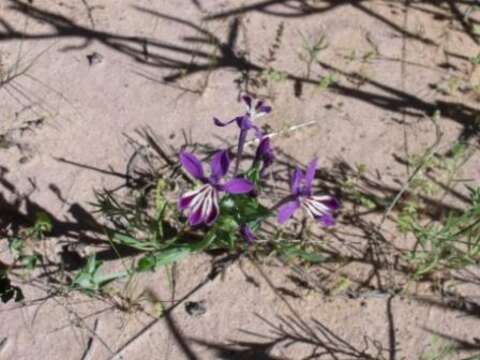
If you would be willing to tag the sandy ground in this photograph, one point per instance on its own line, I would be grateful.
(83, 76)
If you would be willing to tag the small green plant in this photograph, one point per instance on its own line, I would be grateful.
(351, 56)
(452, 240)
(445, 169)
(364, 57)
(439, 350)
(272, 75)
(312, 47)
(42, 226)
(91, 279)
(449, 86)
(475, 60)
(451, 243)
(327, 81)
(352, 189)
(219, 210)
(23, 245)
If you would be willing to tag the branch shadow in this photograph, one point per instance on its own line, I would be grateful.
(290, 332)
(297, 335)
(184, 60)
(299, 8)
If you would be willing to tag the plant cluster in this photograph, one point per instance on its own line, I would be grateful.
(452, 240)
(224, 209)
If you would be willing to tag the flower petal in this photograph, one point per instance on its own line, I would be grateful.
(329, 201)
(192, 165)
(220, 164)
(217, 122)
(295, 181)
(310, 175)
(326, 220)
(263, 148)
(264, 151)
(263, 110)
(186, 199)
(259, 104)
(248, 101)
(265, 154)
(195, 217)
(286, 211)
(239, 186)
(247, 234)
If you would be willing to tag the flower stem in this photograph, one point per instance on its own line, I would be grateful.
(241, 143)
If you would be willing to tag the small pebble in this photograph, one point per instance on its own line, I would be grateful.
(94, 58)
(194, 308)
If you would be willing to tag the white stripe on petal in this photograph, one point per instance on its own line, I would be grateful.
(199, 198)
(309, 210)
(315, 208)
(321, 198)
(322, 208)
(207, 204)
(192, 193)
(214, 210)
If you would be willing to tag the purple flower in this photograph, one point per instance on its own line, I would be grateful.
(255, 110)
(320, 207)
(247, 234)
(202, 204)
(265, 154)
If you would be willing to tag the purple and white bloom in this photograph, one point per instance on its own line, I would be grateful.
(255, 110)
(201, 204)
(319, 207)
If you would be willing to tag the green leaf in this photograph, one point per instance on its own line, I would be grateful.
(160, 201)
(253, 174)
(30, 261)
(104, 279)
(92, 265)
(327, 81)
(147, 263)
(150, 262)
(226, 224)
(127, 240)
(244, 209)
(89, 279)
(42, 226)
(202, 245)
(43, 222)
(311, 257)
(16, 246)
